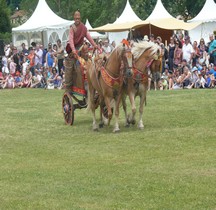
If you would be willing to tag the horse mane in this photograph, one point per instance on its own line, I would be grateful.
(117, 51)
(141, 46)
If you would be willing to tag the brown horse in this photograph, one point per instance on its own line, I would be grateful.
(137, 84)
(107, 81)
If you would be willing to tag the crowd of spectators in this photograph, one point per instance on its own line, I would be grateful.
(38, 67)
(183, 64)
(34, 67)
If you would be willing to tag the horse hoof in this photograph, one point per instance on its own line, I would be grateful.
(141, 127)
(95, 129)
(116, 130)
(133, 122)
(127, 125)
(101, 125)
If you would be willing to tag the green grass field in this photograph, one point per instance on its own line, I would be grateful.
(45, 164)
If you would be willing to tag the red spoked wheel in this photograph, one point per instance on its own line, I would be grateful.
(68, 108)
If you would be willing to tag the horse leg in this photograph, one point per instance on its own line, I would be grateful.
(107, 102)
(131, 117)
(117, 104)
(124, 104)
(142, 101)
(91, 106)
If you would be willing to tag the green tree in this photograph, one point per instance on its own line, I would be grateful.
(5, 25)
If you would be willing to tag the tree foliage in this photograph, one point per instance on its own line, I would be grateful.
(5, 25)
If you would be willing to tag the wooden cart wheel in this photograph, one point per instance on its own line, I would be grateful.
(68, 108)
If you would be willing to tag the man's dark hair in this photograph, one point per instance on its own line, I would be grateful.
(33, 44)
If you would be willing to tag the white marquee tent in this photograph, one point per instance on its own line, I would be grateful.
(207, 16)
(43, 26)
(94, 34)
(128, 15)
(159, 12)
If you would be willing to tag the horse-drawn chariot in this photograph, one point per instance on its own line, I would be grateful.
(109, 84)
(76, 97)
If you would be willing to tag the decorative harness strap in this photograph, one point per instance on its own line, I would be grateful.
(113, 82)
(139, 76)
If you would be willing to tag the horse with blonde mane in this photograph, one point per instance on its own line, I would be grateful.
(136, 84)
(106, 81)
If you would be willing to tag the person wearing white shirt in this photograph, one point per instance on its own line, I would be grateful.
(38, 57)
(106, 48)
(187, 50)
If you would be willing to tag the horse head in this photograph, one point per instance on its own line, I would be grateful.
(143, 52)
(84, 51)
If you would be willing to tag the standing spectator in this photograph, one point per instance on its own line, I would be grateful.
(171, 49)
(12, 67)
(8, 51)
(31, 58)
(60, 56)
(5, 69)
(202, 47)
(196, 54)
(181, 38)
(38, 57)
(113, 45)
(152, 38)
(212, 49)
(16, 59)
(44, 54)
(177, 54)
(187, 50)
(24, 50)
(49, 59)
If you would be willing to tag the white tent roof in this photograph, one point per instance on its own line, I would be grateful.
(93, 34)
(159, 12)
(207, 13)
(42, 19)
(128, 15)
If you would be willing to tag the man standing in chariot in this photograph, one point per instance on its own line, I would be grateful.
(76, 48)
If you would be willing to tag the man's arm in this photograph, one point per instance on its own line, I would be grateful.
(71, 39)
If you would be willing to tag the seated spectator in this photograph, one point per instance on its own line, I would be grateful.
(54, 79)
(186, 77)
(1, 79)
(9, 82)
(200, 83)
(194, 77)
(166, 73)
(36, 80)
(163, 84)
(177, 81)
(27, 80)
(207, 80)
(18, 79)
